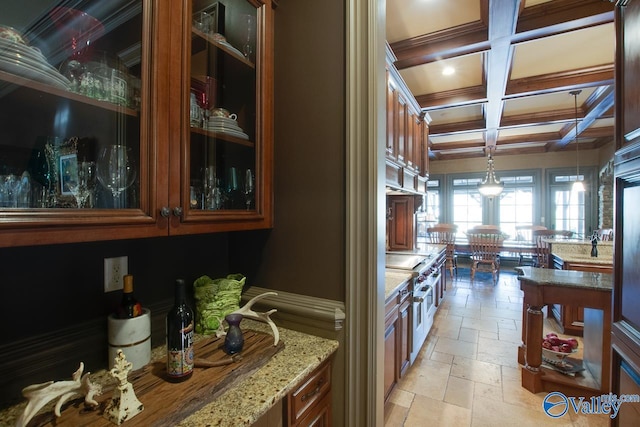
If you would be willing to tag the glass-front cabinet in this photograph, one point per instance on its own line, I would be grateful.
(134, 118)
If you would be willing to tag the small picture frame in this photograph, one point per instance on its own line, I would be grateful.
(68, 173)
(63, 169)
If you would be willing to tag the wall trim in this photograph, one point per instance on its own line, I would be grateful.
(310, 311)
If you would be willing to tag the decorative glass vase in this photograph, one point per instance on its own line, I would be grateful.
(234, 341)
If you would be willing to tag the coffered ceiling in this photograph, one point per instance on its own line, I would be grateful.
(515, 63)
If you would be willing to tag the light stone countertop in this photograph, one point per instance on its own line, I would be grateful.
(568, 278)
(393, 280)
(245, 402)
(584, 259)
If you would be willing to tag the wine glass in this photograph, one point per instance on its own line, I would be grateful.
(116, 170)
(232, 186)
(82, 188)
(248, 188)
(247, 47)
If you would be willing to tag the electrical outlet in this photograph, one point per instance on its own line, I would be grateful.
(114, 270)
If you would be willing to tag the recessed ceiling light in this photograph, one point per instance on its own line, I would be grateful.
(447, 71)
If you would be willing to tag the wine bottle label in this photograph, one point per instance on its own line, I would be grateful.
(180, 360)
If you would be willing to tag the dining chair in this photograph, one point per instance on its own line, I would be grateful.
(605, 234)
(485, 245)
(524, 234)
(542, 256)
(445, 234)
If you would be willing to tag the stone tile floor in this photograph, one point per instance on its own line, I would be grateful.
(467, 373)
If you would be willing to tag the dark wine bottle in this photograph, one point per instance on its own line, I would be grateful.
(180, 328)
(129, 307)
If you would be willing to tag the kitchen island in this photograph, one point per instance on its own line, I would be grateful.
(542, 287)
(247, 400)
(575, 254)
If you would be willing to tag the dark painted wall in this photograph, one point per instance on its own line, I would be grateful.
(50, 289)
(305, 251)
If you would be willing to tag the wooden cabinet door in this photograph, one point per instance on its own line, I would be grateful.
(221, 149)
(390, 344)
(625, 329)
(405, 335)
(78, 135)
(401, 224)
(319, 416)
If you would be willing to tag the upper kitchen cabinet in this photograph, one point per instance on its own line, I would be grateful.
(225, 119)
(407, 131)
(134, 118)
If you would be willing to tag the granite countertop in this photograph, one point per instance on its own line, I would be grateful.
(248, 400)
(568, 278)
(578, 242)
(393, 279)
(584, 259)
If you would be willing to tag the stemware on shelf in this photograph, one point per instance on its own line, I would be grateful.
(82, 189)
(116, 170)
(248, 188)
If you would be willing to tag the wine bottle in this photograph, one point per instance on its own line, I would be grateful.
(180, 328)
(129, 307)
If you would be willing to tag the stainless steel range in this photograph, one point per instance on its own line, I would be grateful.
(424, 288)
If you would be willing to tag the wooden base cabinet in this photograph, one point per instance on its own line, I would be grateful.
(570, 318)
(309, 405)
(398, 339)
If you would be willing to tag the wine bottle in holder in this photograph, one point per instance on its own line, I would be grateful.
(180, 328)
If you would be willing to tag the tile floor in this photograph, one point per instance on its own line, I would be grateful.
(467, 372)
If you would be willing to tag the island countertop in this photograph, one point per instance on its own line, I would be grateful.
(248, 400)
(568, 278)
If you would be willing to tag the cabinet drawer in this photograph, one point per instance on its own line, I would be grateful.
(310, 391)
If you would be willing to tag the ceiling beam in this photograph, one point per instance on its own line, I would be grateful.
(503, 17)
(461, 40)
(560, 16)
(602, 75)
(453, 98)
(599, 107)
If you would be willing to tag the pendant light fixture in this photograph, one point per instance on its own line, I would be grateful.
(578, 185)
(491, 186)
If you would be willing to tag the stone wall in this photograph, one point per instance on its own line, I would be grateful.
(605, 197)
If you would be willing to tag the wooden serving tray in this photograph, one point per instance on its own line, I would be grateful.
(167, 403)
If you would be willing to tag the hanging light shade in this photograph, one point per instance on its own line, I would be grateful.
(578, 185)
(491, 186)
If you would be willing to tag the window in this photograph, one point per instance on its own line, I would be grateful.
(515, 206)
(570, 210)
(432, 202)
(467, 204)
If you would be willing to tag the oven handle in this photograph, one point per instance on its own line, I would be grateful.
(420, 297)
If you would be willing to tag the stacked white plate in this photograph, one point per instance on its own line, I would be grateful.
(24, 61)
(225, 125)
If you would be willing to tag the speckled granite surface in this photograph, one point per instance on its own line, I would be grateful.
(579, 250)
(393, 279)
(569, 278)
(250, 399)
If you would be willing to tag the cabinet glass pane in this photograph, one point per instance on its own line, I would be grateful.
(223, 105)
(70, 102)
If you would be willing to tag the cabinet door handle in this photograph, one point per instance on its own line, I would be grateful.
(314, 391)
(165, 212)
(177, 211)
